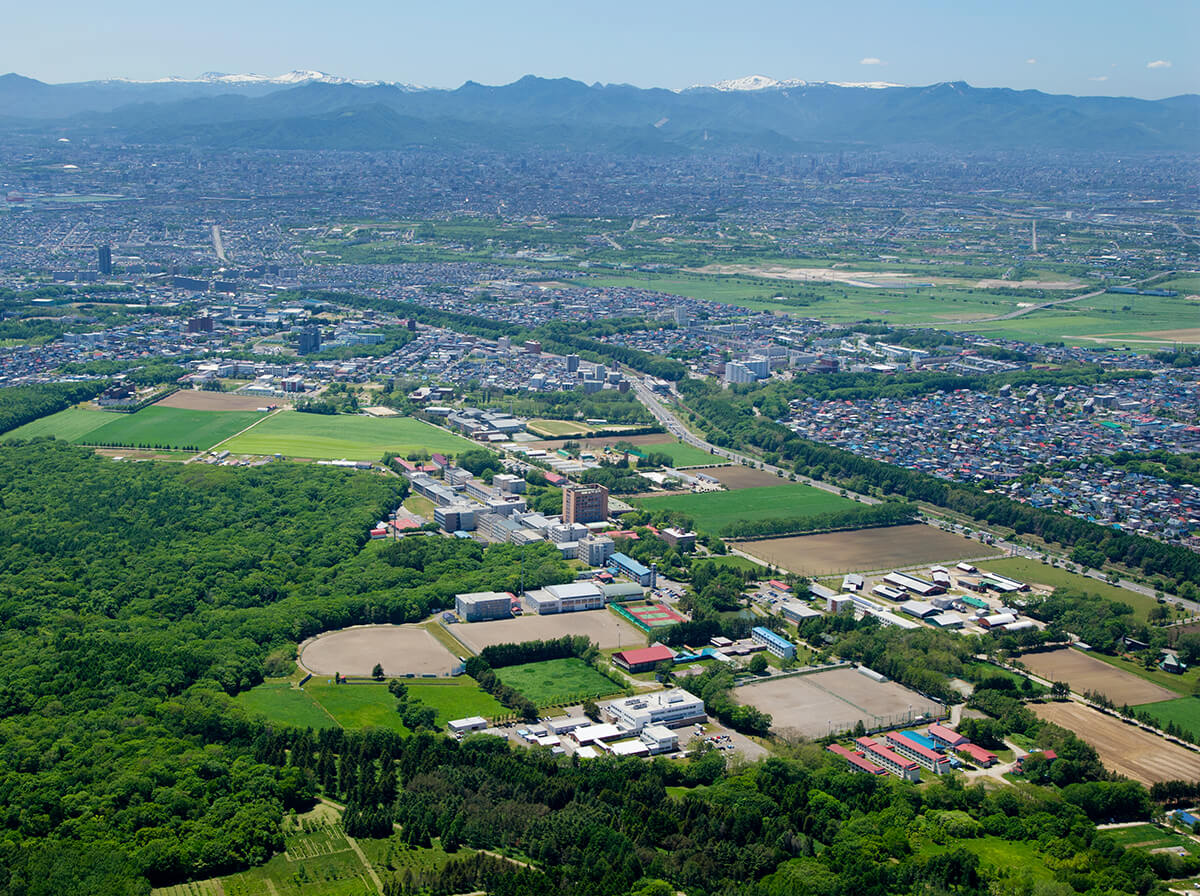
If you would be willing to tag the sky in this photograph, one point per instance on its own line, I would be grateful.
(1099, 47)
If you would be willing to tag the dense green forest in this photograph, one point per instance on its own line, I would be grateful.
(21, 404)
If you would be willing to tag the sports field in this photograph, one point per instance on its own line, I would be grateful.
(605, 628)
(342, 436)
(712, 511)
(1125, 749)
(832, 702)
(1034, 572)
(551, 428)
(284, 704)
(400, 649)
(1087, 673)
(682, 454)
(1183, 711)
(157, 425)
(557, 682)
(864, 550)
(653, 615)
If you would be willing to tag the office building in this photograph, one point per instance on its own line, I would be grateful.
(104, 259)
(669, 709)
(479, 606)
(776, 644)
(584, 503)
(309, 340)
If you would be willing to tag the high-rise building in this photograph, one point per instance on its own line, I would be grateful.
(104, 258)
(572, 363)
(584, 503)
(202, 324)
(310, 340)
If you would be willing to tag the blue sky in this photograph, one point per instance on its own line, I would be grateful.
(1145, 49)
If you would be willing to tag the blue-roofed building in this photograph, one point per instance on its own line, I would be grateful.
(1187, 818)
(776, 644)
(639, 572)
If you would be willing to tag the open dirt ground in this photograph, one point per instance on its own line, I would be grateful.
(402, 649)
(833, 701)
(216, 401)
(1125, 749)
(865, 550)
(598, 441)
(735, 476)
(1086, 673)
(602, 626)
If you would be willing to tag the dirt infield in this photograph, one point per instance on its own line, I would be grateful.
(216, 401)
(1125, 749)
(865, 549)
(834, 701)
(601, 626)
(595, 442)
(1086, 673)
(402, 649)
(735, 476)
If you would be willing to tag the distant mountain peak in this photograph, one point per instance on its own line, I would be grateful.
(762, 82)
(298, 76)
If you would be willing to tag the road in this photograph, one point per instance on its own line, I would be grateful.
(218, 243)
(1020, 312)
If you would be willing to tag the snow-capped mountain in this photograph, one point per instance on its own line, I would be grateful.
(289, 78)
(762, 82)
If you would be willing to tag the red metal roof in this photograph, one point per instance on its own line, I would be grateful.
(654, 654)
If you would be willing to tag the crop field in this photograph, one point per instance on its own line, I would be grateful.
(682, 454)
(736, 476)
(172, 427)
(283, 704)
(1125, 749)
(556, 682)
(712, 511)
(195, 400)
(602, 626)
(1034, 572)
(864, 549)
(1086, 673)
(1183, 711)
(834, 701)
(1151, 837)
(335, 437)
(70, 425)
(560, 428)
(401, 649)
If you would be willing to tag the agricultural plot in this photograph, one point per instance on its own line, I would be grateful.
(1152, 838)
(171, 427)
(70, 425)
(196, 400)
(1034, 572)
(283, 704)
(713, 511)
(736, 476)
(1124, 748)
(834, 701)
(606, 629)
(682, 454)
(864, 549)
(357, 705)
(401, 649)
(335, 437)
(1086, 673)
(1183, 711)
(557, 682)
(557, 428)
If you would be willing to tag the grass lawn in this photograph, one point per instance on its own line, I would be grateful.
(992, 671)
(456, 698)
(357, 705)
(735, 562)
(1184, 712)
(334, 437)
(71, 425)
(1005, 856)
(1036, 572)
(554, 682)
(553, 428)
(682, 455)
(282, 704)
(420, 506)
(713, 511)
(173, 427)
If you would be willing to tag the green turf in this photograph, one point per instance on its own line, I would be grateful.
(557, 427)
(170, 427)
(712, 511)
(682, 455)
(1005, 857)
(1184, 712)
(71, 425)
(456, 699)
(554, 682)
(330, 437)
(357, 705)
(282, 704)
(1036, 572)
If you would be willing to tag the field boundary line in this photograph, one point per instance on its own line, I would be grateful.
(247, 429)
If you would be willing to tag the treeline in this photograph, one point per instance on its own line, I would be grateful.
(153, 373)
(509, 697)
(889, 513)
(23, 404)
(1177, 468)
(607, 404)
(731, 422)
(714, 686)
(497, 656)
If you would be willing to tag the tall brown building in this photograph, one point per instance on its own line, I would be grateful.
(584, 503)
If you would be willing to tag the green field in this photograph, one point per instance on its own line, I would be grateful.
(456, 698)
(1184, 712)
(682, 455)
(1150, 837)
(283, 704)
(1184, 685)
(554, 682)
(172, 427)
(326, 437)
(71, 425)
(552, 428)
(712, 511)
(1036, 572)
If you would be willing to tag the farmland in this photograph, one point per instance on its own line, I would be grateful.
(1034, 572)
(682, 454)
(1125, 749)
(712, 511)
(1086, 673)
(1183, 711)
(72, 425)
(335, 437)
(157, 425)
(555, 682)
(283, 704)
(864, 549)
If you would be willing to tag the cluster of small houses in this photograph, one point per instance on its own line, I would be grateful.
(905, 753)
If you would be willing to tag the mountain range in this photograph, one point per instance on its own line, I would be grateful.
(312, 110)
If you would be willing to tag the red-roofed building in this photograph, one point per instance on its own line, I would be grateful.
(947, 737)
(935, 762)
(555, 478)
(779, 586)
(643, 659)
(858, 762)
(889, 759)
(978, 755)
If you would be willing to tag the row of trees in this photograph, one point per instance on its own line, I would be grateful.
(888, 513)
